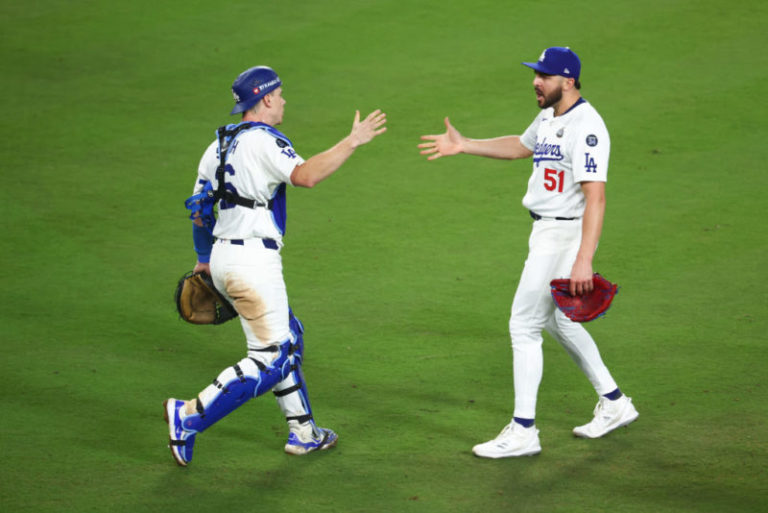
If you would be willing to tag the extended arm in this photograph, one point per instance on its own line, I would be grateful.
(507, 147)
(591, 228)
(319, 167)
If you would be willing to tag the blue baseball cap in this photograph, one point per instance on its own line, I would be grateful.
(252, 85)
(558, 60)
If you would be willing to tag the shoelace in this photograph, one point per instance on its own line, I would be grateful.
(602, 413)
(508, 429)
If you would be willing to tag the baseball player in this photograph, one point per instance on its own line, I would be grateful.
(570, 147)
(245, 170)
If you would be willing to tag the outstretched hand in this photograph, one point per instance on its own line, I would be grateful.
(443, 145)
(364, 131)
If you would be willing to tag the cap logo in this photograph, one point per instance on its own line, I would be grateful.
(566, 70)
(543, 56)
(271, 83)
(256, 90)
(236, 96)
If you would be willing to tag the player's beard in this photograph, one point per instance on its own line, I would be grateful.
(547, 100)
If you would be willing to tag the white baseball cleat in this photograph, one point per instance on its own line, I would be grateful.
(514, 440)
(308, 438)
(609, 415)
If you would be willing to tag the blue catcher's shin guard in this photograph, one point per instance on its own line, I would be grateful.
(292, 397)
(291, 392)
(236, 385)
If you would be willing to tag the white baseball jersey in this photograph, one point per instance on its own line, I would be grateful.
(258, 163)
(567, 150)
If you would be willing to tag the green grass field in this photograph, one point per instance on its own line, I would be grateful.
(403, 270)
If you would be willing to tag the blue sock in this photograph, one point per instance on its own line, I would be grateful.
(613, 395)
(524, 422)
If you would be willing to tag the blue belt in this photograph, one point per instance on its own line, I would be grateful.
(268, 243)
(537, 217)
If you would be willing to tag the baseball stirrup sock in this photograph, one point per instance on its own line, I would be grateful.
(524, 422)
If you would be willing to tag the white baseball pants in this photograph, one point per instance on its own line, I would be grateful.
(553, 246)
(251, 277)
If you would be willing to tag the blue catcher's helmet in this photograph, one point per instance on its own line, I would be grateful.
(252, 85)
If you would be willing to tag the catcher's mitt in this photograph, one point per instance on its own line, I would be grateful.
(588, 306)
(198, 301)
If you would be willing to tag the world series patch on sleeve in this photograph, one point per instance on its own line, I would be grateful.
(586, 307)
(198, 301)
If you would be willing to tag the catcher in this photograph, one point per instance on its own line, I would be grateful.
(243, 175)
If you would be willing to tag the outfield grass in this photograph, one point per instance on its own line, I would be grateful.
(402, 270)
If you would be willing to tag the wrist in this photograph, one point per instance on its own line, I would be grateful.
(464, 145)
(352, 143)
(583, 259)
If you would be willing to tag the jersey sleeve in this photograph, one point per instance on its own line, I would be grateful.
(591, 151)
(281, 158)
(528, 139)
(206, 170)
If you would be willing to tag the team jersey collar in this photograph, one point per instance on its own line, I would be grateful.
(578, 102)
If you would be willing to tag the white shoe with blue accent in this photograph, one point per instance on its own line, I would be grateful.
(308, 437)
(514, 440)
(609, 415)
(180, 442)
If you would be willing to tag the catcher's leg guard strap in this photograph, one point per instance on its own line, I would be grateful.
(292, 397)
